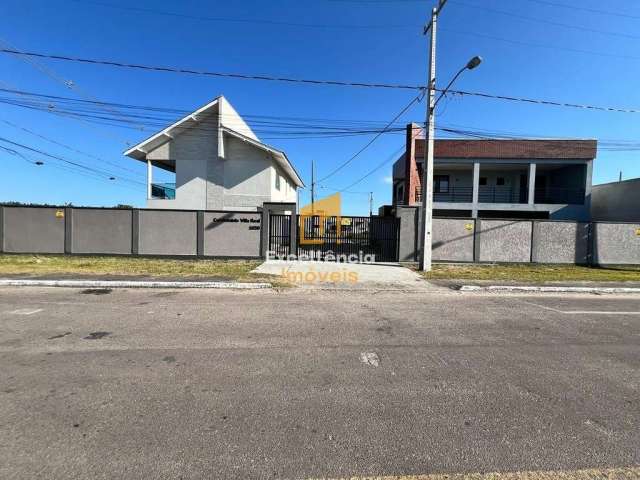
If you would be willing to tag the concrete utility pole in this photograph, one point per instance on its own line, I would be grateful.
(427, 169)
(313, 185)
(370, 204)
(426, 213)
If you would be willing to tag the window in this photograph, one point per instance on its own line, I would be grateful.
(483, 180)
(277, 181)
(500, 181)
(441, 183)
(400, 193)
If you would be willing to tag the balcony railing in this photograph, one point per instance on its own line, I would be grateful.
(560, 195)
(505, 194)
(163, 191)
(501, 194)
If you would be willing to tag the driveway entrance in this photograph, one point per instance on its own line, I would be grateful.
(330, 238)
(344, 274)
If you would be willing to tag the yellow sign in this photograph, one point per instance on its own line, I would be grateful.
(318, 216)
(59, 213)
(638, 232)
(468, 226)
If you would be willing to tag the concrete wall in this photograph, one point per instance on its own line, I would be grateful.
(229, 234)
(167, 232)
(408, 243)
(616, 202)
(244, 234)
(616, 243)
(504, 241)
(453, 240)
(101, 231)
(33, 230)
(560, 242)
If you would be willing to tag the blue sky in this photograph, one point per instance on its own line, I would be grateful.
(521, 58)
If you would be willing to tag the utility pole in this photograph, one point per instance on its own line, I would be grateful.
(620, 177)
(370, 204)
(427, 175)
(313, 185)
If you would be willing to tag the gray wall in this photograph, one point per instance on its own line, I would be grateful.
(616, 243)
(168, 232)
(504, 241)
(229, 234)
(560, 242)
(191, 233)
(616, 202)
(522, 241)
(453, 240)
(408, 242)
(101, 231)
(33, 230)
(112, 231)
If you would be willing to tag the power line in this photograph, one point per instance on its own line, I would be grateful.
(50, 109)
(211, 74)
(70, 162)
(318, 82)
(239, 20)
(539, 45)
(72, 149)
(353, 157)
(546, 22)
(375, 169)
(543, 102)
(70, 84)
(584, 9)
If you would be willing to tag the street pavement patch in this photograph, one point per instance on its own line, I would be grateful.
(370, 358)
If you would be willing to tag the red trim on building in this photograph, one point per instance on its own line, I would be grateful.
(515, 149)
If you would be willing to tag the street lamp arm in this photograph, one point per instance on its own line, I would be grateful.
(471, 64)
(446, 89)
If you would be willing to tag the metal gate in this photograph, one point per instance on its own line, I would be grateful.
(337, 238)
(280, 235)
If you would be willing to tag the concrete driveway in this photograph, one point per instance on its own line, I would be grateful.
(345, 275)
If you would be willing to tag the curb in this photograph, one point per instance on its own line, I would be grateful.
(130, 284)
(547, 289)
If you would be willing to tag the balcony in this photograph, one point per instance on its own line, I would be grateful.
(560, 195)
(163, 191)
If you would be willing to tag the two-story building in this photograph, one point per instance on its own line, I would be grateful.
(499, 178)
(218, 163)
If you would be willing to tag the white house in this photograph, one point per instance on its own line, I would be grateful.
(219, 164)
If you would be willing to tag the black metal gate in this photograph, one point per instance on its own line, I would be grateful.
(348, 238)
(280, 235)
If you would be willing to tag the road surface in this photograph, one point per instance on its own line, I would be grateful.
(305, 384)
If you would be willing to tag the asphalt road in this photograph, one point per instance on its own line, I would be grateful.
(261, 384)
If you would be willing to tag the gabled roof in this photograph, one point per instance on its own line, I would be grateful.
(279, 156)
(139, 151)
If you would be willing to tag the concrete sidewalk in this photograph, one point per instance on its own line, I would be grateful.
(346, 275)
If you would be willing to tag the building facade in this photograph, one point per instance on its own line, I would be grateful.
(499, 178)
(616, 201)
(218, 163)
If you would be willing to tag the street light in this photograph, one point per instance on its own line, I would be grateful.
(471, 64)
(427, 177)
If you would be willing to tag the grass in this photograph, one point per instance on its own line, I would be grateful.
(533, 273)
(239, 270)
